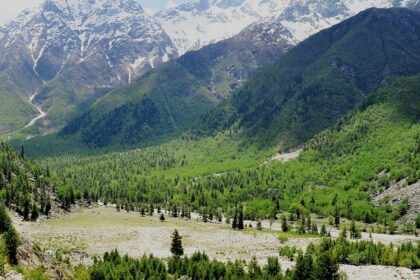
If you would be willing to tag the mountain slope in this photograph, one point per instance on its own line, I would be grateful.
(183, 89)
(365, 152)
(71, 51)
(324, 77)
(374, 148)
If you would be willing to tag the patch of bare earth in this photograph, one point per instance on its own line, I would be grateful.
(396, 193)
(284, 157)
(374, 272)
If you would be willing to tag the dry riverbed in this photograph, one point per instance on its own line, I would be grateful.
(92, 232)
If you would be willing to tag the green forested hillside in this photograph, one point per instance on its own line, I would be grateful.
(338, 170)
(173, 96)
(324, 77)
(24, 187)
(163, 101)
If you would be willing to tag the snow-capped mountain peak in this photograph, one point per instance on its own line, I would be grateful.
(64, 33)
(199, 23)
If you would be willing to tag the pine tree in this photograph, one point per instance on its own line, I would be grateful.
(272, 268)
(26, 209)
(254, 270)
(5, 221)
(337, 217)
(241, 219)
(34, 213)
(354, 232)
(391, 227)
(284, 226)
(162, 217)
(314, 228)
(12, 242)
(22, 152)
(235, 219)
(308, 223)
(176, 245)
(326, 268)
(303, 268)
(302, 226)
(323, 230)
(175, 212)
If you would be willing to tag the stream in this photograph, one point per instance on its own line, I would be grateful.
(41, 115)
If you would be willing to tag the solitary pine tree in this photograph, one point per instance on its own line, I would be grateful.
(162, 217)
(176, 245)
(12, 242)
(259, 225)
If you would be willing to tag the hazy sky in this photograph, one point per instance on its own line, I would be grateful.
(11, 8)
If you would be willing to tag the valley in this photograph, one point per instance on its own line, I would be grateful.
(91, 232)
(210, 139)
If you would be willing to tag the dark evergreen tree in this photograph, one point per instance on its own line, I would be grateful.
(284, 226)
(34, 213)
(254, 270)
(22, 152)
(272, 268)
(176, 245)
(304, 268)
(12, 242)
(354, 231)
(337, 217)
(323, 230)
(326, 268)
(241, 218)
(235, 219)
(26, 209)
(162, 217)
(151, 209)
(5, 221)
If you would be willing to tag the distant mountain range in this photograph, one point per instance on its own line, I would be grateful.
(305, 91)
(65, 55)
(199, 23)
